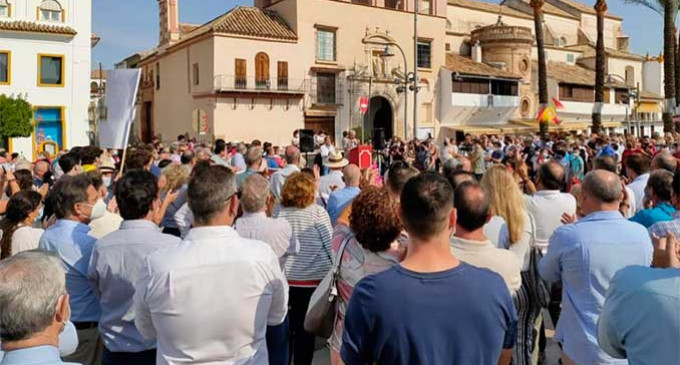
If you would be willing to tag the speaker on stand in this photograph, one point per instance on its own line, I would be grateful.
(306, 142)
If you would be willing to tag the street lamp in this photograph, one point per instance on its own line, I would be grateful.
(387, 52)
(632, 91)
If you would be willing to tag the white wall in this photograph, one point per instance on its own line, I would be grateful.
(652, 77)
(75, 94)
(460, 99)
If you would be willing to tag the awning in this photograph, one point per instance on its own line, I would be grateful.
(648, 108)
(487, 129)
(552, 127)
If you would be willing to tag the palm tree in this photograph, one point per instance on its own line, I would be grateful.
(600, 9)
(670, 8)
(667, 9)
(537, 5)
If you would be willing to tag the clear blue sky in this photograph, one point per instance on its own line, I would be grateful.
(129, 26)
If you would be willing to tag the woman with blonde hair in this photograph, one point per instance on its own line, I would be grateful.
(175, 178)
(507, 202)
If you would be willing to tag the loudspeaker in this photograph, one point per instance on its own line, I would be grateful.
(306, 140)
(378, 138)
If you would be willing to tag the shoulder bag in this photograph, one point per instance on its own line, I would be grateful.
(320, 318)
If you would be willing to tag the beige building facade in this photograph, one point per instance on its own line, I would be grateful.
(262, 72)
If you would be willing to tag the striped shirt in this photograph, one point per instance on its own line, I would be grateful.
(312, 227)
(661, 229)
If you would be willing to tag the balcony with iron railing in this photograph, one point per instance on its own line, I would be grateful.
(247, 84)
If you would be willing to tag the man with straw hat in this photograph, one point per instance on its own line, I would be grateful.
(333, 180)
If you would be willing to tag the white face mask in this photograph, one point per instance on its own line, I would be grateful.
(107, 181)
(98, 210)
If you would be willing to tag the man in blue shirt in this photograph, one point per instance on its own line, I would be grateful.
(340, 199)
(116, 264)
(30, 331)
(658, 190)
(640, 320)
(431, 309)
(584, 256)
(76, 202)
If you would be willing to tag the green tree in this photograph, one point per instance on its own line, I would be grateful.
(16, 116)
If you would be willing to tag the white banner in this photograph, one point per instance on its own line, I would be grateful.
(121, 95)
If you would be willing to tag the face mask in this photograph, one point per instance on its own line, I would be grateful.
(98, 210)
(107, 181)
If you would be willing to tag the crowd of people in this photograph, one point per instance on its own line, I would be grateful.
(447, 253)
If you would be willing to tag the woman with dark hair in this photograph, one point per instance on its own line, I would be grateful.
(373, 243)
(16, 226)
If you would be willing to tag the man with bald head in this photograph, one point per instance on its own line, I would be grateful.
(292, 157)
(584, 257)
(339, 199)
(549, 203)
(471, 245)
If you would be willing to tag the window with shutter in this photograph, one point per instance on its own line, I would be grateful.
(262, 71)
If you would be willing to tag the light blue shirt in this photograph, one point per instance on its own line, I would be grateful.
(40, 355)
(68, 341)
(114, 269)
(71, 242)
(585, 256)
(640, 320)
(238, 161)
(339, 200)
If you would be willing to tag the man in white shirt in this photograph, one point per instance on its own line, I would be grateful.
(211, 298)
(637, 169)
(278, 178)
(332, 181)
(470, 244)
(255, 225)
(548, 203)
(116, 264)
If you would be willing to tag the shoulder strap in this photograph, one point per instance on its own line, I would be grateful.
(532, 241)
(341, 251)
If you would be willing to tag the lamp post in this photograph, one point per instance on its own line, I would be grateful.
(632, 91)
(415, 68)
(388, 53)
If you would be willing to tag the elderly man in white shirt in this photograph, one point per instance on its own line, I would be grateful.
(548, 204)
(255, 225)
(211, 298)
(292, 157)
(333, 180)
(637, 169)
(470, 244)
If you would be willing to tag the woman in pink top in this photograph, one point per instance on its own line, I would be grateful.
(374, 243)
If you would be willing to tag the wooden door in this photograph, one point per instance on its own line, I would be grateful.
(240, 73)
(282, 75)
(262, 70)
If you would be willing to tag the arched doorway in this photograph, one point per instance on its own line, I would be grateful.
(379, 115)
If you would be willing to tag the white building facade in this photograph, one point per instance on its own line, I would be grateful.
(45, 56)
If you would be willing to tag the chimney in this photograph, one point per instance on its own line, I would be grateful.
(169, 22)
(476, 52)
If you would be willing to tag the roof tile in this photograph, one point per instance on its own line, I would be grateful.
(467, 66)
(36, 27)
